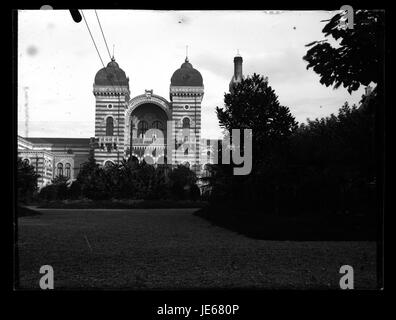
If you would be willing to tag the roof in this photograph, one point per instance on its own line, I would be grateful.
(186, 75)
(111, 75)
(60, 141)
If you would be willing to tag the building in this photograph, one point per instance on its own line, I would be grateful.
(147, 126)
(52, 157)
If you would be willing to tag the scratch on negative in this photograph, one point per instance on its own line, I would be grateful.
(89, 245)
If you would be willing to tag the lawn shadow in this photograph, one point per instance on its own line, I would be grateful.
(293, 228)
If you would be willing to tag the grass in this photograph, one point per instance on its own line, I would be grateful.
(142, 249)
(309, 227)
(22, 211)
(121, 204)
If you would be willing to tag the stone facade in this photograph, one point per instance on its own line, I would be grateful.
(147, 125)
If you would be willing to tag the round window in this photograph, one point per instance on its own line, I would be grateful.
(186, 107)
(110, 106)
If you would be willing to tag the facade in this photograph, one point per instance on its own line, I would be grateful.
(53, 157)
(146, 127)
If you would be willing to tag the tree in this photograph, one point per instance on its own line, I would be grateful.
(181, 182)
(26, 180)
(92, 180)
(254, 105)
(359, 58)
(334, 161)
(61, 186)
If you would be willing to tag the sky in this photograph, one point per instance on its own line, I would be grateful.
(57, 61)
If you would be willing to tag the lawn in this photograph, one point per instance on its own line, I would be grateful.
(174, 249)
(313, 227)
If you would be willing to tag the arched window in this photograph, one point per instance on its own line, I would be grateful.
(67, 170)
(60, 169)
(186, 123)
(109, 126)
(142, 128)
(157, 125)
(108, 164)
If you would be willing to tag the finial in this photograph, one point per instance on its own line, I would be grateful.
(186, 53)
(112, 58)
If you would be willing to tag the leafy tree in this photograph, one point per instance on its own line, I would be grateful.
(358, 59)
(181, 182)
(254, 105)
(61, 186)
(93, 180)
(26, 181)
(134, 180)
(335, 163)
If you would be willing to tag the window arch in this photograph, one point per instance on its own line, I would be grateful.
(186, 123)
(108, 164)
(109, 126)
(59, 169)
(157, 125)
(67, 170)
(142, 128)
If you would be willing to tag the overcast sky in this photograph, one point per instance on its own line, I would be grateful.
(58, 62)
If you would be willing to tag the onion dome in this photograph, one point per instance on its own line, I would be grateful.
(111, 75)
(187, 76)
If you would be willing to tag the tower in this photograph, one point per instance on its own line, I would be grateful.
(238, 75)
(186, 93)
(111, 91)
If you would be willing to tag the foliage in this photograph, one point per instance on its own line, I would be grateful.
(254, 105)
(324, 166)
(127, 180)
(26, 181)
(359, 56)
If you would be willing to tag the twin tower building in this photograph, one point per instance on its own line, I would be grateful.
(149, 127)
(145, 127)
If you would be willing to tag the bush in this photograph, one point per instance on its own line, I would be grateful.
(26, 181)
(128, 180)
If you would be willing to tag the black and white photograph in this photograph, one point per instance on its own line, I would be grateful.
(179, 150)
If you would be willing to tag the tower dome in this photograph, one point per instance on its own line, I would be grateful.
(111, 75)
(187, 76)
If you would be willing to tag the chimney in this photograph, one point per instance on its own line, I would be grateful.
(238, 68)
(237, 77)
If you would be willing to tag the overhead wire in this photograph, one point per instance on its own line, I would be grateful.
(101, 60)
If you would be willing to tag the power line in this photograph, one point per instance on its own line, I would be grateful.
(109, 78)
(104, 38)
(93, 40)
